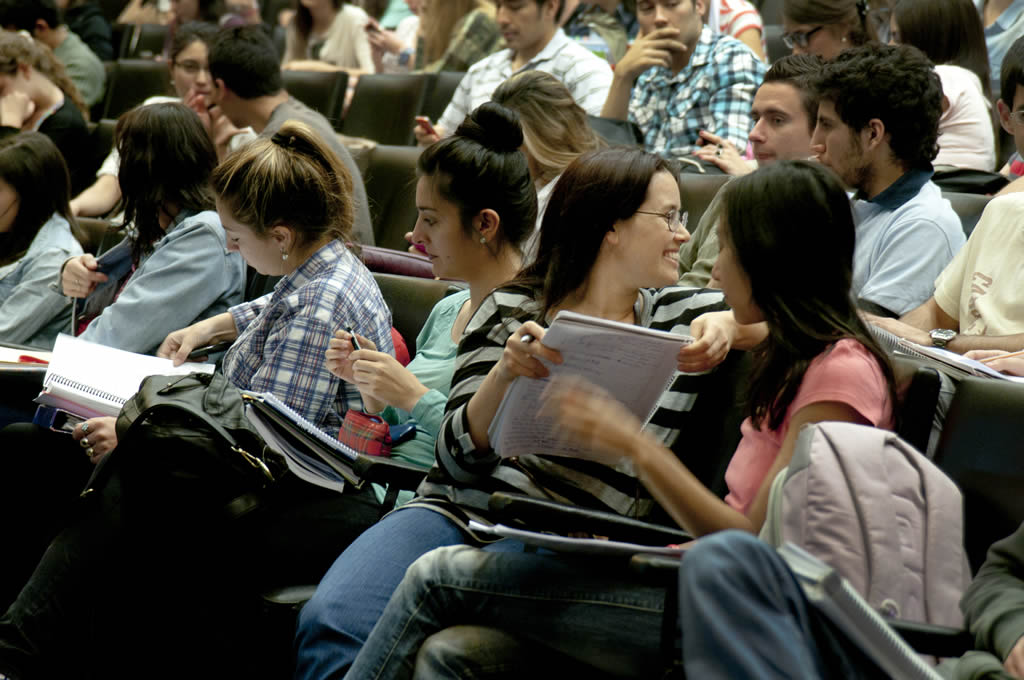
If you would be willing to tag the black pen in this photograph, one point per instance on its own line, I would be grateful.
(352, 339)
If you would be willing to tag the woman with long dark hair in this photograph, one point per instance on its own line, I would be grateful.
(37, 234)
(608, 247)
(818, 362)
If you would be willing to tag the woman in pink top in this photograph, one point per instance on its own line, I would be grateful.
(816, 362)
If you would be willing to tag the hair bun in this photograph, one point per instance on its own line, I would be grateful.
(494, 127)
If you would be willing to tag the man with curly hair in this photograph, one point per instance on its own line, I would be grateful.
(878, 126)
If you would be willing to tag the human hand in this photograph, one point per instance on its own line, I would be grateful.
(382, 40)
(380, 377)
(592, 419)
(180, 343)
(15, 109)
(97, 436)
(222, 130)
(425, 138)
(523, 358)
(898, 328)
(714, 335)
(1011, 366)
(722, 153)
(653, 49)
(197, 102)
(1014, 663)
(338, 354)
(80, 277)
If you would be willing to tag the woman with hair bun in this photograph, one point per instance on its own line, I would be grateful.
(476, 209)
(608, 247)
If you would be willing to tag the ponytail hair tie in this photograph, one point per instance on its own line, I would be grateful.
(295, 143)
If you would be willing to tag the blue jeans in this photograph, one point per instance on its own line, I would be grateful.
(351, 596)
(744, 615)
(583, 609)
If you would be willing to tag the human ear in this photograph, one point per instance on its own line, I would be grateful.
(486, 223)
(1004, 115)
(283, 237)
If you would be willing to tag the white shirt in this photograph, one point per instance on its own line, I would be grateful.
(587, 76)
(966, 135)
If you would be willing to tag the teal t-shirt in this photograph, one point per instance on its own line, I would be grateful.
(433, 366)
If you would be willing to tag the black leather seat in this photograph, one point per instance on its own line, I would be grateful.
(384, 107)
(696, 192)
(390, 179)
(773, 43)
(144, 41)
(322, 91)
(101, 141)
(968, 207)
(442, 88)
(134, 81)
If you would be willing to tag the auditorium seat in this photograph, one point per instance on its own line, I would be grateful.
(384, 107)
(390, 179)
(134, 81)
(442, 88)
(101, 141)
(144, 41)
(696, 192)
(773, 43)
(968, 208)
(322, 91)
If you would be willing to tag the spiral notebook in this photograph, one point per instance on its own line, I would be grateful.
(93, 380)
(633, 363)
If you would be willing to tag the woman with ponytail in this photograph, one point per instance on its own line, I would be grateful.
(608, 247)
(286, 204)
(826, 27)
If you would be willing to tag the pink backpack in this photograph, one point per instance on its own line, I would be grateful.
(885, 517)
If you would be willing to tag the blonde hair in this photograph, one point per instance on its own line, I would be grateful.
(290, 179)
(19, 48)
(555, 128)
(438, 19)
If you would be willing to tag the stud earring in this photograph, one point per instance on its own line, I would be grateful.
(483, 239)
(284, 255)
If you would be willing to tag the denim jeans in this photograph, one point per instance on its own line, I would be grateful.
(351, 596)
(744, 615)
(584, 609)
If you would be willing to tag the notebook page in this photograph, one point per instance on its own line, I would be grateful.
(634, 367)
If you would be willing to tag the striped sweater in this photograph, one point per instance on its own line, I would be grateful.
(466, 477)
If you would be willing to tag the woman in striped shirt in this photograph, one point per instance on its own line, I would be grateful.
(608, 248)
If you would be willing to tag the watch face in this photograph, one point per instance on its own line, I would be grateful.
(943, 334)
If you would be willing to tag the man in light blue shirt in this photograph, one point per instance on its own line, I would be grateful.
(878, 115)
(1004, 23)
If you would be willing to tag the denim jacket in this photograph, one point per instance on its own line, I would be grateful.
(189, 276)
(31, 312)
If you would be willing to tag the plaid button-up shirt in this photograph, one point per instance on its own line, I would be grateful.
(284, 334)
(713, 92)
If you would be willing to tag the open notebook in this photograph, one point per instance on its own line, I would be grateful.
(951, 363)
(632, 363)
(93, 380)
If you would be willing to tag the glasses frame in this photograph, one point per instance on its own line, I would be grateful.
(1017, 117)
(672, 216)
(190, 67)
(799, 38)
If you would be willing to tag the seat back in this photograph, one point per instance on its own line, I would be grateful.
(97, 234)
(696, 192)
(773, 42)
(134, 81)
(968, 208)
(101, 141)
(144, 41)
(411, 300)
(918, 385)
(391, 190)
(384, 107)
(771, 11)
(322, 91)
(441, 91)
(616, 132)
(982, 449)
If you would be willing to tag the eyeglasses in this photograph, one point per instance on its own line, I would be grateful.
(1017, 117)
(191, 67)
(674, 220)
(799, 38)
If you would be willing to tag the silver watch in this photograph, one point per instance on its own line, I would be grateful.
(941, 336)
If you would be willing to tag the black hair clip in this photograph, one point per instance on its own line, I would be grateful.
(287, 141)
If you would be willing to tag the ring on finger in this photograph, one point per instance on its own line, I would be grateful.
(85, 427)
(90, 452)
(718, 151)
(84, 443)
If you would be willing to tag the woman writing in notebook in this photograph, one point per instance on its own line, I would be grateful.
(286, 206)
(476, 209)
(818, 362)
(609, 235)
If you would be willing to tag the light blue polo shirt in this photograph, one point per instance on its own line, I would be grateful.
(906, 235)
(1000, 35)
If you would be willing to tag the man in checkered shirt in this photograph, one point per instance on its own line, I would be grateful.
(534, 42)
(679, 78)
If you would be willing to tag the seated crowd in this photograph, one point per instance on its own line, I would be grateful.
(828, 224)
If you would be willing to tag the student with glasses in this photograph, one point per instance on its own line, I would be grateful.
(608, 248)
(189, 78)
(825, 27)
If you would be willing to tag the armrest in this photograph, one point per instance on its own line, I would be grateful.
(379, 470)
(545, 515)
(20, 384)
(933, 640)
